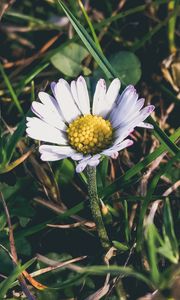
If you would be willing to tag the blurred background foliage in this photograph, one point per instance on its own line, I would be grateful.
(45, 222)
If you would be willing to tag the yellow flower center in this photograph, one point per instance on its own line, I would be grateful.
(90, 134)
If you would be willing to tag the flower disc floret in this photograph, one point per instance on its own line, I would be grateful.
(90, 134)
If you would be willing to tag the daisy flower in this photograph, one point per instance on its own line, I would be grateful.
(81, 131)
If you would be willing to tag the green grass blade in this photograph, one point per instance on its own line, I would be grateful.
(90, 25)
(163, 138)
(116, 270)
(127, 230)
(107, 68)
(6, 284)
(11, 90)
(126, 13)
(169, 227)
(153, 261)
(88, 42)
(14, 139)
(118, 183)
(151, 190)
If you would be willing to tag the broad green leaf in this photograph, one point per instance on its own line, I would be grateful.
(127, 66)
(69, 58)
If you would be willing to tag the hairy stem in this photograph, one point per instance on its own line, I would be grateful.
(95, 208)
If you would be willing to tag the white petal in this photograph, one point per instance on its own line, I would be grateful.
(115, 155)
(48, 101)
(77, 156)
(62, 150)
(83, 96)
(133, 113)
(113, 90)
(123, 131)
(99, 95)
(94, 161)
(140, 103)
(52, 153)
(128, 92)
(110, 97)
(39, 130)
(83, 163)
(75, 94)
(126, 143)
(53, 84)
(47, 156)
(142, 115)
(112, 153)
(118, 147)
(125, 106)
(49, 116)
(81, 166)
(145, 125)
(66, 102)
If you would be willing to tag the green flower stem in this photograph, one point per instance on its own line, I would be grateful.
(95, 208)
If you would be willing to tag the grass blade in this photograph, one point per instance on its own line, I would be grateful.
(6, 284)
(88, 42)
(109, 71)
(11, 90)
(151, 190)
(119, 182)
(163, 138)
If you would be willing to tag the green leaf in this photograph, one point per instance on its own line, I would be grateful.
(69, 58)
(127, 66)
